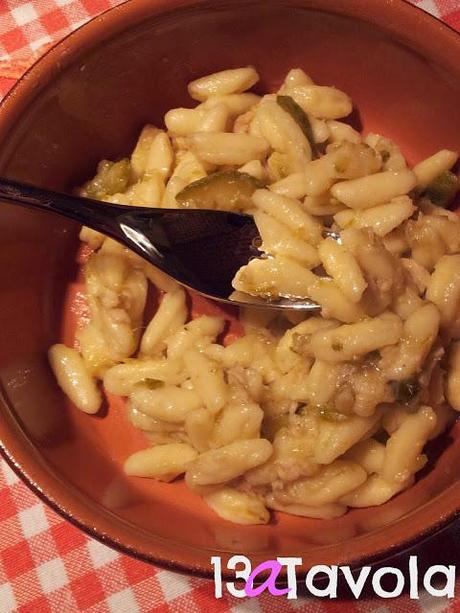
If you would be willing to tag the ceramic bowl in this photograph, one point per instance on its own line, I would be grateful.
(85, 100)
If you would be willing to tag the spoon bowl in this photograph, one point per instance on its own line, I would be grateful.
(201, 249)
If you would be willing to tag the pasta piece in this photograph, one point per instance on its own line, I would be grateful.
(239, 507)
(375, 491)
(73, 378)
(252, 380)
(183, 122)
(428, 170)
(446, 227)
(95, 351)
(255, 169)
(445, 417)
(320, 130)
(334, 303)
(382, 271)
(325, 511)
(368, 388)
(198, 333)
(147, 192)
(294, 78)
(92, 237)
(341, 265)
(405, 445)
(324, 206)
(288, 352)
(394, 417)
(214, 119)
(224, 149)
(328, 486)
(219, 466)
(453, 377)
(293, 386)
(281, 276)
(147, 423)
(340, 131)
(160, 156)
(391, 155)
(105, 270)
(420, 330)
(237, 104)
(335, 438)
(167, 403)
(254, 319)
(252, 352)
(278, 240)
(319, 174)
(418, 274)
(170, 316)
(395, 242)
(274, 277)
(342, 161)
(162, 462)
(350, 342)
(370, 454)
(373, 190)
(290, 213)
(293, 186)
(223, 83)
(188, 170)
(141, 152)
(425, 242)
(278, 165)
(160, 279)
(383, 219)
(322, 382)
(242, 124)
(116, 297)
(237, 421)
(444, 288)
(284, 134)
(292, 451)
(123, 379)
(322, 102)
(199, 426)
(208, 380)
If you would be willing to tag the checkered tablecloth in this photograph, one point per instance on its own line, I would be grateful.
(46, 564)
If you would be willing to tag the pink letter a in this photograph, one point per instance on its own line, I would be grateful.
(274, 567)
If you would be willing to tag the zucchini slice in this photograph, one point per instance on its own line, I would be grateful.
(227, 190)
(297, 113)
(443, 189)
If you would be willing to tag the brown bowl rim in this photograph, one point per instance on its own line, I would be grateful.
(15, 450)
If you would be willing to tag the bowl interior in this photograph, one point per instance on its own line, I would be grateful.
(122, 71)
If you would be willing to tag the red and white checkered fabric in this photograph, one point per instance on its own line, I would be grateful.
(46, 564)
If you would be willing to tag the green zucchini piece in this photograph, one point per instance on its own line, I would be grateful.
(111, 178)
(227, 190)
(443, 189)
(297, 113)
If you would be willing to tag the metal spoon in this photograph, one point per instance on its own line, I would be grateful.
(201, 249)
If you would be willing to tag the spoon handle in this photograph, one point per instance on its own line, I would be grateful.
(93, 213)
